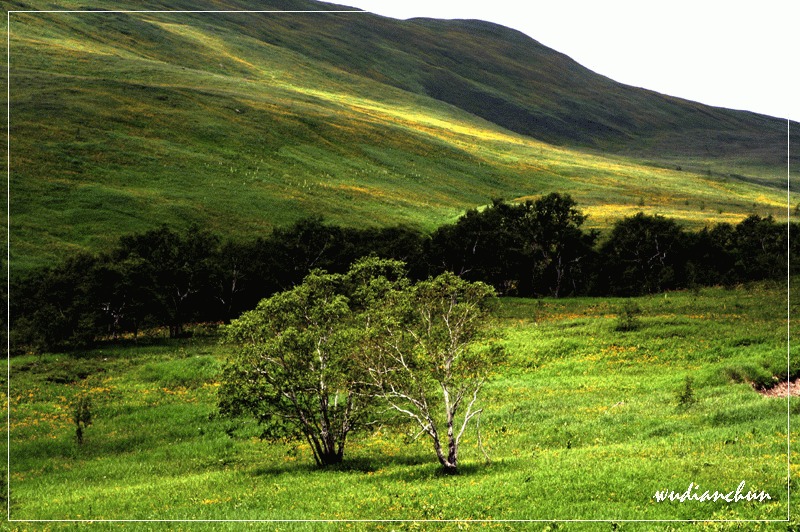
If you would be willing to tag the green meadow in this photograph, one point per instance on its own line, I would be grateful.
(581, 422)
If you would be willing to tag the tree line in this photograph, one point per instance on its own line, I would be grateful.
(165, 277)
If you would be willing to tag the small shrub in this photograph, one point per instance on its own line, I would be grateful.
(81, 416)
(628, 319)
(685, 395)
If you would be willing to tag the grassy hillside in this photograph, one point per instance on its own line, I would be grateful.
(241, 122)
(582, 422)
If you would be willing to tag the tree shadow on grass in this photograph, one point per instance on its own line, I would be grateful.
(431, 469)
(358, 464)
(404, 468)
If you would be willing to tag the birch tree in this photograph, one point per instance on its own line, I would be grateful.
(432, 351)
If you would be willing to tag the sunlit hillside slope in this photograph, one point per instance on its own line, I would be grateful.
(240, 122)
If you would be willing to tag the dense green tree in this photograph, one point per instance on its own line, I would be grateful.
(531, 248)
(229, 279)
(644, 254)
(307, 245)
(297, 367)
(125, 293)
(482, 245)
(180, 266)
(57, 308)
(556, 244)
(711, 257)
(759, 245)
(399, 243)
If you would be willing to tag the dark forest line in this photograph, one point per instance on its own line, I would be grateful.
(165, 277)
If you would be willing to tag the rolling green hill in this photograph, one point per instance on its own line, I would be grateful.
(244, 121)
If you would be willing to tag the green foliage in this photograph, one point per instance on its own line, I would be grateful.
(311, 360)
(644, 254)
(531, 248)
(168, 278)
(291, 370)
(297, 368)
(57, 308)
(177, 266)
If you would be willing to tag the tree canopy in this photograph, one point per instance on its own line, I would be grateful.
(293, 369)
(167, 277)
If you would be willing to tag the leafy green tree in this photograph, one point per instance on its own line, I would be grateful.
(180, 267)
(644, 254)
(307, 245)
(124, 292)
(760, 248)
(531, 248)
(56, 308)
(295, 368)
(432, 352)
(229, 278)
(483, 245)
(711, 256)
(556, 244)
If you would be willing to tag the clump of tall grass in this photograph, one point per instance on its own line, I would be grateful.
(81, 416)
(685, 395)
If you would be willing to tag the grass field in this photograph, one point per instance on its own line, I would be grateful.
(582, 422)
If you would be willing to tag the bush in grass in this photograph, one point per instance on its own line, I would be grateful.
(757, 376)
(628, 318)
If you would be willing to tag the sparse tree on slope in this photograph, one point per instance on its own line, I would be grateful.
(432, 353)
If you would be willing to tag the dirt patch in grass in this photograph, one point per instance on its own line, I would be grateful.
(782, 389)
